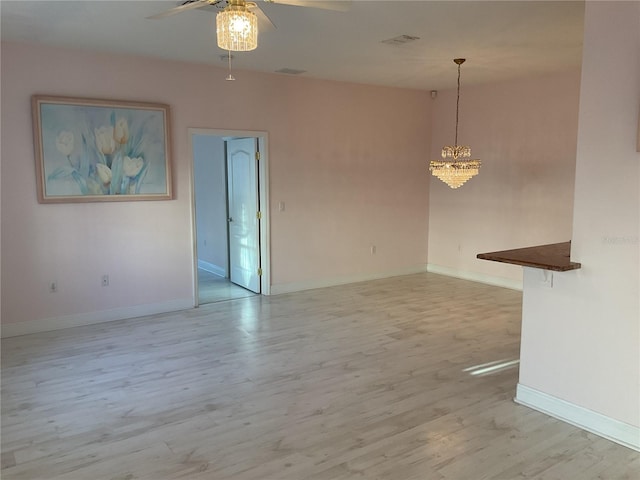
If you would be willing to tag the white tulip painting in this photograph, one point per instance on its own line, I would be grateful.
(64, 143)
(100, 150)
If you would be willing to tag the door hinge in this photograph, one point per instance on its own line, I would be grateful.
(259, 215)
(257, 155)
(259, 272)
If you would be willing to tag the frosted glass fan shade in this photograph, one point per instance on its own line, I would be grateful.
(237, 29)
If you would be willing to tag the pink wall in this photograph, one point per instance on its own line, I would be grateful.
(347, 159)
(580, 339)
(524, 132)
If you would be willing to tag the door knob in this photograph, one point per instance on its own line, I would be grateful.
(229, 219)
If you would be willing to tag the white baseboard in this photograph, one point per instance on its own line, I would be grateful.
(607, 427)
(332, 282)
(79, 319)
(475, 277)
(211, 268)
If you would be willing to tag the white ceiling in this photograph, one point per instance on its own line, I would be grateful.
(501, 40)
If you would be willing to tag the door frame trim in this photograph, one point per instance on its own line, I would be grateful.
(263, 182)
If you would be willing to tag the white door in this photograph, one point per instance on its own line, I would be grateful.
(244, 226)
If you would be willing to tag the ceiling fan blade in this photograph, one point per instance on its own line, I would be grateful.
(182, 8)
(264, 22)
(337, 5)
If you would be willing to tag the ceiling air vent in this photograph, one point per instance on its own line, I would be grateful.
(291, 71)
(400, 40)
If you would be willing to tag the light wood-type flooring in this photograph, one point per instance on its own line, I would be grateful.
(366, 381)
(213, 288)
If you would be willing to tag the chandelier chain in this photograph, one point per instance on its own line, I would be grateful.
(457, 105)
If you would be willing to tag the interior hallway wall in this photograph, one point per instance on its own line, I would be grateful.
(211, 203)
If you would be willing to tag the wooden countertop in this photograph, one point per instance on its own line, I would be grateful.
(554, 257)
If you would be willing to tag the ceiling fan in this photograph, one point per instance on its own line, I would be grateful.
(337, 5)
(237, 20)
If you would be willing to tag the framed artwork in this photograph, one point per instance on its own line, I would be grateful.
(90, 150)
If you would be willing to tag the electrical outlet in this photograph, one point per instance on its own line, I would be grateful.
(105, 280)
(53, 287)
(547, 278)
(373, 249)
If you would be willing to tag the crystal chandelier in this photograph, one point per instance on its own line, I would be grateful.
(237, 27)
(456, 166)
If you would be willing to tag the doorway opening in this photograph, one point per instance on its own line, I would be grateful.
(229, 214)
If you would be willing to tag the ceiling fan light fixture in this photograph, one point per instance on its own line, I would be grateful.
(237, 28)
